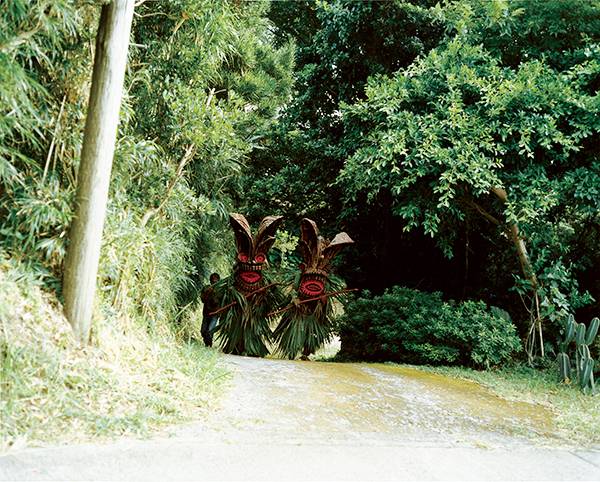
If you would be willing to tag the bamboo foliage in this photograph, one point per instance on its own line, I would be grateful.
(40, 48)
(193, 80)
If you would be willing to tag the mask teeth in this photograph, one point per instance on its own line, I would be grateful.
(251, 267)
(324, 271)
(315, 273)
(244, 287)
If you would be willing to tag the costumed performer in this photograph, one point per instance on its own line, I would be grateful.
(307, 320)
(247, 296)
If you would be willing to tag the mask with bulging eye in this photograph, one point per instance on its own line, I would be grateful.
(252, 250)
(317, 253)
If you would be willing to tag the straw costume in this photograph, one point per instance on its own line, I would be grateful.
(247, 297)
(306, 322)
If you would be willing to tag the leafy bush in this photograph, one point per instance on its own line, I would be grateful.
(410, 326)
(37, 218)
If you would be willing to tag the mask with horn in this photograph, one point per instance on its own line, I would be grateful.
(252, 250)
(317, 253)
(245, 297)
(306, 321)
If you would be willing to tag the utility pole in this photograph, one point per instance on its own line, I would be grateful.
(85, 238)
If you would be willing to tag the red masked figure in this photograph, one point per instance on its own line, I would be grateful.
(247, 297)
(306, 322)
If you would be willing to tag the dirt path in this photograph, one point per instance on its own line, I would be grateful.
(358, 401)
(286, 420)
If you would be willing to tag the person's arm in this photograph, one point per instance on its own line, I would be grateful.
(205, 294)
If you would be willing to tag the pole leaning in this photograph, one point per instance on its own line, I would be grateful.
(85, 239)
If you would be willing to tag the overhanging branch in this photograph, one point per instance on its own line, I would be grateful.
(189, 154)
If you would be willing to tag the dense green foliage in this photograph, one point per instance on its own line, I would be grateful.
(400, 122)
(443, 138)
(340, 45)
(44, 68)
(203, 81)
(441, 135)
(471, 133)
(409, 326)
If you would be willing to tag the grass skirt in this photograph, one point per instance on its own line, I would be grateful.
(244, 327)
(306, 327)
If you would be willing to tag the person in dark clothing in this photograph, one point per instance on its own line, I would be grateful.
(211, 304)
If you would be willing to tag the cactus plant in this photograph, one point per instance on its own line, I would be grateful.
(583, 361)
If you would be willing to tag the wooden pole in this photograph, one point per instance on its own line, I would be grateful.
(245, 296)
(85, 238)
(322, 297)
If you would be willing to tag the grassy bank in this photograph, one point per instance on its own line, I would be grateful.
(126, 382)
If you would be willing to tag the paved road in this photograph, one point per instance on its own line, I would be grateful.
(287, 420)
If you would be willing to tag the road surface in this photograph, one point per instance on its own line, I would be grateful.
(292, 420)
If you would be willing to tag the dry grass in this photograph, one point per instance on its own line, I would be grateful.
(126, 382)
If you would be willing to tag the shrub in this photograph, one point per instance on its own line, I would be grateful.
(410, 326)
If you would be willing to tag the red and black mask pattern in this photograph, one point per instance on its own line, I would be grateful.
(317, 253)
(252, 250)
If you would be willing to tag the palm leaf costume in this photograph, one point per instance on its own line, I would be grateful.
(246, 296)
(307, 321)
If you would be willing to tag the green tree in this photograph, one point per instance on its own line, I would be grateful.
(339, 45)
(205, 82)
(45, 69)
(209, 78)
(456, 135)
(520, 30)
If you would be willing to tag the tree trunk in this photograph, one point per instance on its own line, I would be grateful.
(83, 253)
(514, 234)
(535, 327)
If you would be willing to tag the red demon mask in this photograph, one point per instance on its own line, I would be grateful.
(252, 250)
(318, 253)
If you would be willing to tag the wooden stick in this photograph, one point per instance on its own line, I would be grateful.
(245, 296)
(313, 299)
(62, 106)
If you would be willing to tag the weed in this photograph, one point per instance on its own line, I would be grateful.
(127, 383)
